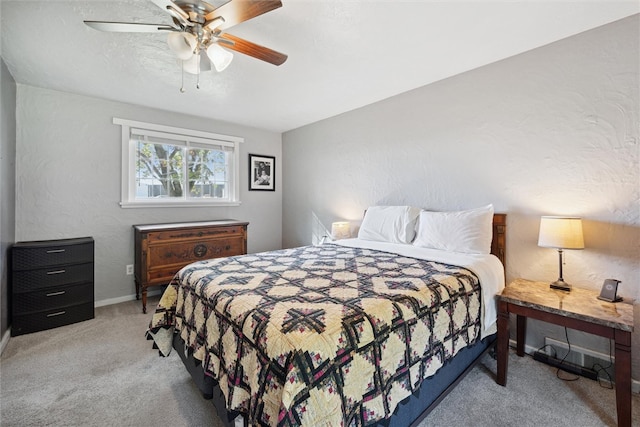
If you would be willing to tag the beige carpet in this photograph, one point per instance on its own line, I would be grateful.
(103, 372)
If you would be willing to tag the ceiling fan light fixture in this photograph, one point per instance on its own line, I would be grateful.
(199, 27)
(182, 44)
(196, 64)
(220, 57)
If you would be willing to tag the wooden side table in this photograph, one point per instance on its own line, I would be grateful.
(579, 309)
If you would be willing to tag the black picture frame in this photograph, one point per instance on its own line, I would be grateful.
(262, 173)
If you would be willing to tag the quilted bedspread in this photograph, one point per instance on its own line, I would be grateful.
(320, 335)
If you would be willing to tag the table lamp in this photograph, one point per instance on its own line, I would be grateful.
(340, 230)
(561, 233)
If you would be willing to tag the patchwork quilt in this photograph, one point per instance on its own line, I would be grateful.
(320, 335)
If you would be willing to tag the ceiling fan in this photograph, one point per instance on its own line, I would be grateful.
(200, 28)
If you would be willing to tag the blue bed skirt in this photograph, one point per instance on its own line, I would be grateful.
(416, 407)
(409, 412)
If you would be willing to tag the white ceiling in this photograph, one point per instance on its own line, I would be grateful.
(343, 54)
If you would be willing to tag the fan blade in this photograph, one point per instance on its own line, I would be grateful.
(252, 49)
(173, 9)
(129, 27)
(237, 11)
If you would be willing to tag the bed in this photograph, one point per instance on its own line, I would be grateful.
(367, 331)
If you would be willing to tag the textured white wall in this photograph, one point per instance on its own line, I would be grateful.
(551, 131)
(68, 171)
(7, 185)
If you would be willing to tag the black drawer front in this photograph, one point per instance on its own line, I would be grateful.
(28, 323)
(30, 280)
(37, 257)
(52, 298)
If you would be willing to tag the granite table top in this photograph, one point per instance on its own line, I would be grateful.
(579, 303)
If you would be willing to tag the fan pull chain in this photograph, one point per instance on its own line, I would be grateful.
(198, 74)
(182, 90)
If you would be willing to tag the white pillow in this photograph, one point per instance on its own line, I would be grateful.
(395, 224)
(467, 231)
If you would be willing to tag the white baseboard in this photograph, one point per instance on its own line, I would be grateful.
(527, 348)
(110, 301)
(635, 384)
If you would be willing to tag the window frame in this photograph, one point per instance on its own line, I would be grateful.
(128, 165)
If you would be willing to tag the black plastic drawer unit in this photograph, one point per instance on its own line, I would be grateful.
(52, 284)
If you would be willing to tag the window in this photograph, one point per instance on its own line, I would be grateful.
(164, 166)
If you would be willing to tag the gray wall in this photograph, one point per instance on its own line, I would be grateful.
(7, 185)
(551, 131)
(68, 168)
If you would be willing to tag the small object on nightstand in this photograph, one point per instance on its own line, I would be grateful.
(609, 291)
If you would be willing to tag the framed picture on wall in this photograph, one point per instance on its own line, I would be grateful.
(262, 173)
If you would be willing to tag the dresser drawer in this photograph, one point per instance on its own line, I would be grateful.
(30, 280)
(194, 233)
(52, 298)
(27, 323)
(38, 254)
(164, 260)
(185, 252)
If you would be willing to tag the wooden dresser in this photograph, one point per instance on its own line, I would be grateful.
(52, 284)
(161, 250)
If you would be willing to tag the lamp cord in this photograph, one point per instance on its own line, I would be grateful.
(603, 370)
(597, 367)
(577, 377)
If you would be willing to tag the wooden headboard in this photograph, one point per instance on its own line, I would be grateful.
(499, 242)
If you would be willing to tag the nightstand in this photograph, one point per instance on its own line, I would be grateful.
(578, 309)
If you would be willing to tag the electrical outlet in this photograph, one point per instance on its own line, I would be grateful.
(129, 269)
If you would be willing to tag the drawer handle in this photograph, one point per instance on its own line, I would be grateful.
(59, 313)
(56, 272)
(200, 251)
(53, 294)
(55, 251)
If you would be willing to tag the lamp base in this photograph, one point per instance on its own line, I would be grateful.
(560, 284)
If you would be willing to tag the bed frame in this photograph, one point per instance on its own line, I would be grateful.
(414, 408)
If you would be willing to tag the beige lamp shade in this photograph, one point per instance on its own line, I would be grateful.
(561, 232)
(340, 230)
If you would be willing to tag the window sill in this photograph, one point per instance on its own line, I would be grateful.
(181, 204)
